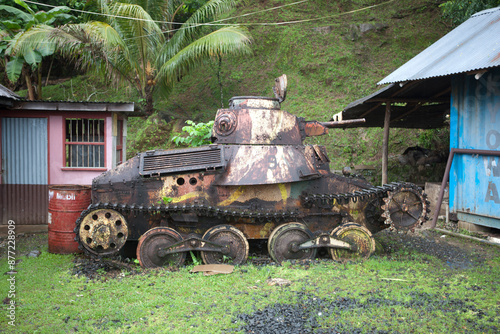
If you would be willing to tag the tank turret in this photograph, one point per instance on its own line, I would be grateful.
(257, 180)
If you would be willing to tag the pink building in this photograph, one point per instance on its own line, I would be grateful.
(46, 143)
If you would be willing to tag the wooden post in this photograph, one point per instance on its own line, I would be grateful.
(385, 143)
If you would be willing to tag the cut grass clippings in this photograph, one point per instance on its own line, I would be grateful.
(405, 291)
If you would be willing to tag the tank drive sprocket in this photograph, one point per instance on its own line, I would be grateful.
(406, 207)
(101, 231)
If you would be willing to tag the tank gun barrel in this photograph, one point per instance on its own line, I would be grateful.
(340, 124)
(315, 128)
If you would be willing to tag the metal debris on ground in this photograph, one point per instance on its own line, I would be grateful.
(213, 269)
(278, 282)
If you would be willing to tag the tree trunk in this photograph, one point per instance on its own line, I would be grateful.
(148, 92)
(385, 142)
(39, 82)
(220, 81)
(50, 70)
(31, 93)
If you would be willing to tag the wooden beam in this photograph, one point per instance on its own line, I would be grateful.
(409, 100)
(415, 108)
(385, 142)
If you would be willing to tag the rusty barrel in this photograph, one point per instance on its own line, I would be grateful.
(66, 203)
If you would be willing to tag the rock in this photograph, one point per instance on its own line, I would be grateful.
(278, 282)
(354, 32)
(365, 27)
(381, 26)
(323, 30)
(34, 253)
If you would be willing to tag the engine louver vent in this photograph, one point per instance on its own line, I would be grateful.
(175, 161)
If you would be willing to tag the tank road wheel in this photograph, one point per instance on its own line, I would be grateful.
(284, 241)
(405, 208)
(234, 242)
(153, 242)
(358, 236)
(103, 231)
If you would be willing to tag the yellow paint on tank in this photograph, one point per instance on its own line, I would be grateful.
(266, 230)
(284, 192)
(278, 193)
(194, 194)
(234, 196)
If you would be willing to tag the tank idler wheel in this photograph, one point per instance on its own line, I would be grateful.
(103, 231)
(153, 243)
(284, 242)
(358, 236)
(235, 245)
(405, 208)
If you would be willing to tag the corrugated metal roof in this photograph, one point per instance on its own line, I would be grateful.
(5, 92)
(45, 105)
(473, 45)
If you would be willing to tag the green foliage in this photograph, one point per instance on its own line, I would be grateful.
(167, 200)
(326, 71)
(131, 45)
(147, 134)
(195, 259)
(20, 22)
(434, 138)
(198, 134)
(458, 11)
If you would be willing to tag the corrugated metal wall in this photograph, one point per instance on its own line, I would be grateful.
(24, 188)
(475, 124)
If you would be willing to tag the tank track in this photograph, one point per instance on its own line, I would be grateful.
(308, 200)
(329, 200)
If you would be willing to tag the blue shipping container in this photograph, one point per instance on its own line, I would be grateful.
(475, 124)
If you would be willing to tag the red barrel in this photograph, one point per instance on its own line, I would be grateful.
(66, 203)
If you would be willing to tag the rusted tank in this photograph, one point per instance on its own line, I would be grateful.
(257, 180)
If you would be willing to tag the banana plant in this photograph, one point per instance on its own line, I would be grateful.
(19, 22)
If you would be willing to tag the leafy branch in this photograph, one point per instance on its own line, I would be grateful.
(198, 134)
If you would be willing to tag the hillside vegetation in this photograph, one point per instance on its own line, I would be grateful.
(329, 62)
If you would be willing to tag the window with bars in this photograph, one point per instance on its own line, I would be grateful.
(84, 143)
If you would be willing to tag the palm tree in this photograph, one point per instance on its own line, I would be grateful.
(128, 44)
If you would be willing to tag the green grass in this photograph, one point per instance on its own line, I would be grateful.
(401, 292)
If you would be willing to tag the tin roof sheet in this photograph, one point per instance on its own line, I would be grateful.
(83, 106)
(473, 45)
(7, 93)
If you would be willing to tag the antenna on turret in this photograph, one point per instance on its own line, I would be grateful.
(279, 88)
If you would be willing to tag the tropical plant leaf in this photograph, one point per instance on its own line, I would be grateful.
(33, 57)
(25, 6)
(46, 49)
(14, 68)
(220, 42)
(11, 25)
(17, 12)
